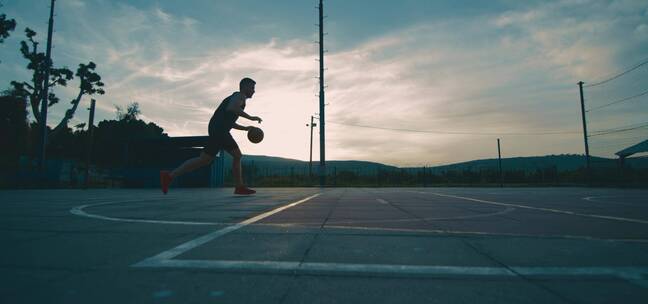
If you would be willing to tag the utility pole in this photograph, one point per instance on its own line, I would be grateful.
(587, 154)
(89, 147)
(310, 161)
(322, 168)
(499, 158)
(48, 64)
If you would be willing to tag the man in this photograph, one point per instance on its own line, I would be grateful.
(223, 120)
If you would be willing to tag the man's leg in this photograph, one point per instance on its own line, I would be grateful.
(236, 166)
(192, 164)
(236, 172)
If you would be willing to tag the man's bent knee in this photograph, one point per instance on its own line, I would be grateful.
(236, 154)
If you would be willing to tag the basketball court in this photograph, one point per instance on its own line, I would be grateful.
(337, 245)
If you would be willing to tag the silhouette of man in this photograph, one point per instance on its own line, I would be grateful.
(220, 124)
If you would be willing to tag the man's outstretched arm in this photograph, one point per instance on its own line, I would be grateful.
(235, 107)
(239, 127)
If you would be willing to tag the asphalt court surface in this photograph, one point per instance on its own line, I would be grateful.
(338, 245)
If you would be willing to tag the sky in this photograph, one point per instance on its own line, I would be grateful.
(408, 83)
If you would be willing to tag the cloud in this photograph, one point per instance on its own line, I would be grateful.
(75, 3)
(498, 76)
(642, 31)
(514, 71)
(163, 16)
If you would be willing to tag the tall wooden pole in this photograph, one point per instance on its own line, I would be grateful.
(322, 168)
(89, 143)
(587, 154)
(44, 102)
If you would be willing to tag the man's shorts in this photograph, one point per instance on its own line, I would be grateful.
(219, 141)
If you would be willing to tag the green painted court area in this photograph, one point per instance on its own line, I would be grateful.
(330, 245)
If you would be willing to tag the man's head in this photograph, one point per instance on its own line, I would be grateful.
(246, 86)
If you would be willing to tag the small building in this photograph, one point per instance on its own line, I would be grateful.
(629, 151)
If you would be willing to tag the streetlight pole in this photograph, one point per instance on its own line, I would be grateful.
(499, 161)
(310, 160)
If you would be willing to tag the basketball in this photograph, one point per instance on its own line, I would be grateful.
(255, 135)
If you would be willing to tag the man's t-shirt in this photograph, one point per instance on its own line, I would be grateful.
(222, 121)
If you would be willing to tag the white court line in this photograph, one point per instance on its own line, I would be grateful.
(463, 217)
(598, 199)
(182, 248)
(632, 274)
(79, 210)
(480, 233)
(460, 217)
(614, 218)
(593, 198)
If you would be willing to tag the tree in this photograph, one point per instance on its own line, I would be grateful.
(132, 112)
(37, 63)
(113, 139)
(89, 82)
(6, 26)
(14, 128)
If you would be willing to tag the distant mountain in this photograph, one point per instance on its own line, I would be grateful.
(561, 162)
(565, 162)
(279, 163)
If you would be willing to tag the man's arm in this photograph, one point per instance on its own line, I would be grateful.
(239, 127)
(235, 107)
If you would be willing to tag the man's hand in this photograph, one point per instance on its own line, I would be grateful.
(256, 118)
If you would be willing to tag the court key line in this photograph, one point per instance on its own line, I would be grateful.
(615, 218)
(80, 211)
(635, 275)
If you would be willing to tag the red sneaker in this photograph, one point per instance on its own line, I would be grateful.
(243, 190)
(165, 180)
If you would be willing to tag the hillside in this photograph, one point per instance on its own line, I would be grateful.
(279, 163)
(566, 162)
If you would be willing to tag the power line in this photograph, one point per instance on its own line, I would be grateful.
(620, 143)
(615, 146)
(633, 138)
(455, 132)
(620, 130)
(622, 127)
(619, 75)
(618, 101)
